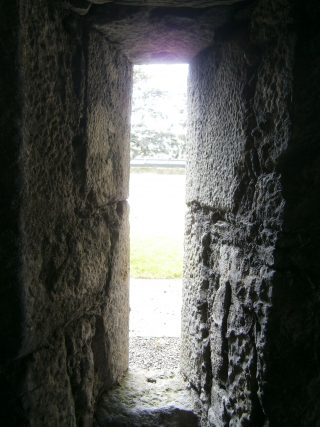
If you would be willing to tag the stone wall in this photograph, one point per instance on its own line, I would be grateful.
(71, 224)
(250, 290)
(251, 301)
(293, 378)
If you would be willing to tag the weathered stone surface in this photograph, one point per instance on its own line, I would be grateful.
(72, 177)
(153, 397)
(293, 380)
(79, 6)
(107, 156)
(73, 220)
(251, 301)
(237, 313)
(170, 3)
(158, 35)
(217, 121)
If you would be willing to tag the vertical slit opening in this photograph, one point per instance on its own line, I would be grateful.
(153, 392)
(157, 209)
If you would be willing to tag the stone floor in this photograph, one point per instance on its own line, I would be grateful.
(153, 393)
(147, 399)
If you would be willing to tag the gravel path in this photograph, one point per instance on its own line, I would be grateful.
(155, 323)
(161, 353)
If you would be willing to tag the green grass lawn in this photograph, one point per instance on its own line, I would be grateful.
(157, 223)
(156, 257)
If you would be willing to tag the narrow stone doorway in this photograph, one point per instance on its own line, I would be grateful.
(251, 294)
(157, 211)
(153, 392)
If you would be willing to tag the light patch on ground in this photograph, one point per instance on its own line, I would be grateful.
(155, 308)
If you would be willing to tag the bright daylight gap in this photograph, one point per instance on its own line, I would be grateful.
(157, 209)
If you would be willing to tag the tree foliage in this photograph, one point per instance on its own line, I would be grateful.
(158, 120)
